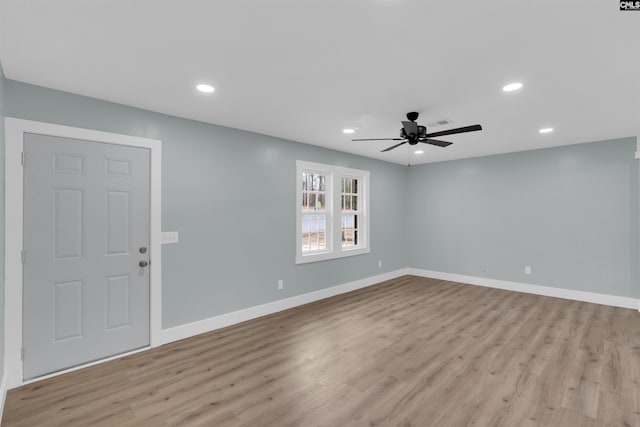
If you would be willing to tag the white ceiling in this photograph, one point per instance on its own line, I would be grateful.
(305, 69)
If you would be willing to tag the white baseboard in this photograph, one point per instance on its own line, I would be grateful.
(592, 297)
(3, 394)
(228, 319)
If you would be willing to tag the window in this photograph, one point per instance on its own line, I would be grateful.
(332, 207)
(314, 212)
(350, 212)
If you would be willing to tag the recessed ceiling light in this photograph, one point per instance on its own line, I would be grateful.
(418, 152)
(348, 131)
(546, 130)
(205, 88)
(512, 86)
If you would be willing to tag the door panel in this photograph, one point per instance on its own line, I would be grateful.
(68, 163)
(116, 229)
(68, 223)
(86, 214)
(117, 301)
(67, 310)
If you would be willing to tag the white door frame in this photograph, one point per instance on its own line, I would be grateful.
(637, 156)
(14, 189)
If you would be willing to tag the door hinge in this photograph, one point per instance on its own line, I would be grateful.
(22, 353)
(22, 158)
(22, 256)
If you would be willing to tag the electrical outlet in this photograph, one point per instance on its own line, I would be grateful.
(280, 284)
(379, 263)
(527, 269)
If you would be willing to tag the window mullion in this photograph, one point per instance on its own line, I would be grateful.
(337, 211)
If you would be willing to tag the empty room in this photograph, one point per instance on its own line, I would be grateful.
(319, 213)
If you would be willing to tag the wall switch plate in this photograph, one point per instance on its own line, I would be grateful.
(527, 269)
(169, 237)
(379, 263)
(280, 284)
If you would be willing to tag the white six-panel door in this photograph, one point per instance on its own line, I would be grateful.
(86, 242)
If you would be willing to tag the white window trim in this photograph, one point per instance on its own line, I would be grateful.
(333, 208)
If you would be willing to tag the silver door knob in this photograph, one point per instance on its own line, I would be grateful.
(142, 250)
(143, 263)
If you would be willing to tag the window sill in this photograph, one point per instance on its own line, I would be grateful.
(304, 259)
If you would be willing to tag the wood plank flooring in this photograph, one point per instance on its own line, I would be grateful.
(407, 352)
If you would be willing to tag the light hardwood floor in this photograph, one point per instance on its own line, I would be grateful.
(407, 352)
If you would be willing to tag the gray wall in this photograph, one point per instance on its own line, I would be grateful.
(231, 195)
(2, 112)
(571, 213)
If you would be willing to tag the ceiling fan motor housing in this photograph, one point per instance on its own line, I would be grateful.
(422, 131)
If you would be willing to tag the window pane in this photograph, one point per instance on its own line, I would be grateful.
(320, 202)
(349, 194)
(322, 241)
(347, 221)
(322, 179)
(304, 201)
(304, 181)
(312, 200)
(348, 230)
(314, 232)
(317, 241)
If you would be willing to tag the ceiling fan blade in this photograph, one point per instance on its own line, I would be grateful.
(410, 128)
(393, 146)
(436, 142)
(378, 139)
(454, 131)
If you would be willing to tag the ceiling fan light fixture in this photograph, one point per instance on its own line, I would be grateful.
(512, 86)
(205, 88)
(546, 130)
(348, 131)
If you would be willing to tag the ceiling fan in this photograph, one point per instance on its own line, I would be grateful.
(413, 133)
